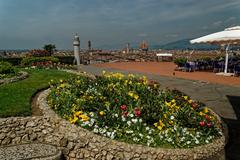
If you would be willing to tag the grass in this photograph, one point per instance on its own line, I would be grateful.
(15, 98)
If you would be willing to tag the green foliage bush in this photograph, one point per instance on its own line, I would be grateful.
(6, 70)
(180, 61)
(33, 61)
(13, 60)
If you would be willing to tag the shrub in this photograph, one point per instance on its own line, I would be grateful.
(6, 70)
(141, 112)
(39, 61)
(13, 60)
(180, 61)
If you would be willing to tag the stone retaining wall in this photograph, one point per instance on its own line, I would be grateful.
(78, 143)
(22, 75)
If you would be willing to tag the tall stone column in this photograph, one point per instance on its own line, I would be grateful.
(76, 46)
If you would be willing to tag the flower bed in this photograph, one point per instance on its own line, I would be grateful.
(134, 110)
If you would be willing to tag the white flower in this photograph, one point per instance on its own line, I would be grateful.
(188, 142)
(197, 141)
(172, 117)
(150, 132)
(140, 120)
(169, 139)
(116, 115)
(95, 130)
(206, 141)
(123, 119)
(141, 135)
(112, 135)
(135, 139)
(147, 128)
(129, 123)
(131, 115)
(109, 134)
(134, 120)
(129, 131)
(148, 137)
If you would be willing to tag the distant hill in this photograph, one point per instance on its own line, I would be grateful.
(185, 44)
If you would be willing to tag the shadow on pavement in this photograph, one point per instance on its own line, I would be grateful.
(233, 145)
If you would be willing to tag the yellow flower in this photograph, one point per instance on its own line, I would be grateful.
(73, 120)
(159, 127)
(103, 72)
(205, 110)
(62, 85)
(107, 104)
(125, 82)
(190, 101)
(165, 115)
(130, 94)
(78, 113)
(170, 122)
(131, 75)
(155, 85)
(168, 103)
(201, 114)
(102, 113)
(84, 117)
(90, 97)
(61, 80)
(136, 97)
(173, 101)
(177, 107)
(185, 97)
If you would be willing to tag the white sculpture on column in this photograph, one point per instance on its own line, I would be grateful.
(76, 46)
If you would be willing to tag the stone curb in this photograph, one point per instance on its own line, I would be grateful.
(23, 75)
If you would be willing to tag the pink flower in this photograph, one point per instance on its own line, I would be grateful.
(209, 124)
(123, 107)
(137, 112)
(202, 123)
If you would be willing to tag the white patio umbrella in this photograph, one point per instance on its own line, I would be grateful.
(223, 38)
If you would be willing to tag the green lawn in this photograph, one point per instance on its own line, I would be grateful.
(15, 98)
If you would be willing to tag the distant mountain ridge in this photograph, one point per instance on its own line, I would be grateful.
(185, 44)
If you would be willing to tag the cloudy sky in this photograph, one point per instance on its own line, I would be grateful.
(27, 24)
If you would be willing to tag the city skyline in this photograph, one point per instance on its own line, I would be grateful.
(28, 24)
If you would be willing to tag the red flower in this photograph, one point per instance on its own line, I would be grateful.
(202, 123)
(123, 107)
(207, 117)
(125, 114)
(209, 124)
(137, 112)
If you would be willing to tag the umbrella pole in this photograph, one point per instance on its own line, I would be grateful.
(226, 59)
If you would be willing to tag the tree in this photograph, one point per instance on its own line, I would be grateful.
(89, 45)
(49, 48)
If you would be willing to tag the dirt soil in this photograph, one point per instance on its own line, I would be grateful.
(36, 111)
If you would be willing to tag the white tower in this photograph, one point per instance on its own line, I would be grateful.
(76, 46)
